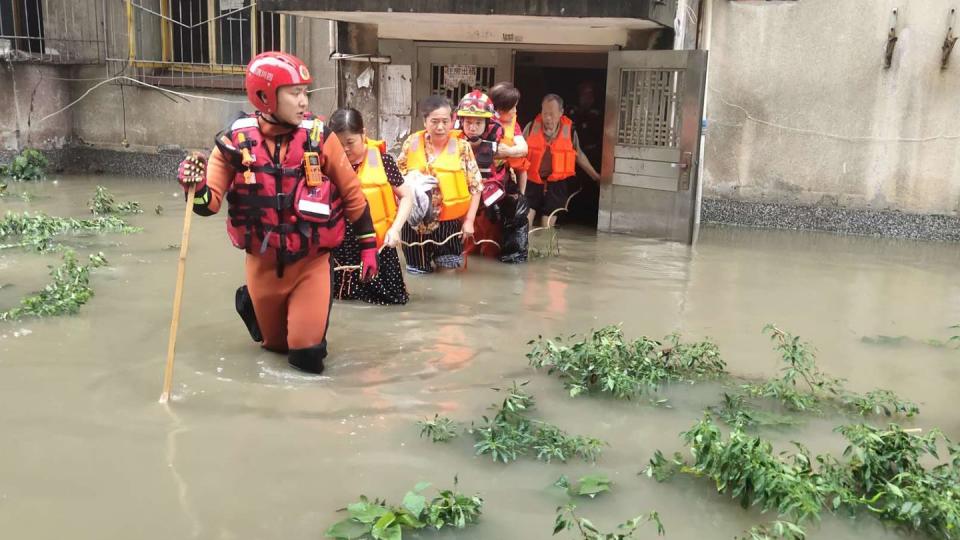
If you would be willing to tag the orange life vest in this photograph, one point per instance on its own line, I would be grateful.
(447, 168)
(377, 190)
(563, 155)
(518, 163)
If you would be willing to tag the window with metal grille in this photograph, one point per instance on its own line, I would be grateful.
(483, 79)
(649, 112)
(21, 25)
(234, 39)
(53, 31)
(200, 42)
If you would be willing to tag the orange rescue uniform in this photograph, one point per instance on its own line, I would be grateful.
(292, 311)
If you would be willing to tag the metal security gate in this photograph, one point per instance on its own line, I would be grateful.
(455, 71)
(651, 143)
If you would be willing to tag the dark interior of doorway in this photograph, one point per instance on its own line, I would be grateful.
(572, 76)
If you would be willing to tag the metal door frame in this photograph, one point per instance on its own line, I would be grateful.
(656, 187)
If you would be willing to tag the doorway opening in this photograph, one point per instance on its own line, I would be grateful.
(580, 79)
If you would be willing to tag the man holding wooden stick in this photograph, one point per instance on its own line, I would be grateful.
(288, 186)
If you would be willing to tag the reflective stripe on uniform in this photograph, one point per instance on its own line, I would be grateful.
(243, 123)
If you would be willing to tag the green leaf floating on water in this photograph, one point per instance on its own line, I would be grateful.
(347, 529)
(587, 486)
(593, 485)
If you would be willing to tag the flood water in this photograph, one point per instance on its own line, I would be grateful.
(251, 449)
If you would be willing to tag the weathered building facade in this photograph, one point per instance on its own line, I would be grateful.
(845, 107)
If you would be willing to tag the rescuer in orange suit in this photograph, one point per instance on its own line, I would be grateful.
(288, 187)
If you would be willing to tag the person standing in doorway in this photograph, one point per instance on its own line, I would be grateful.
(554, 153)
(390, 201)
(439, 152)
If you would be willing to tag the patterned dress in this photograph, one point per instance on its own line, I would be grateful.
(388, 287)
(421, 259)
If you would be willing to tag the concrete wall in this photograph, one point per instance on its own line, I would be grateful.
(135, 118)
(801, 110)
(32, 91)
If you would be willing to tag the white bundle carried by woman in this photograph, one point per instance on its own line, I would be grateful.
(422, 186)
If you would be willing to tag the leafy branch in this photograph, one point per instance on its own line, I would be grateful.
(37, 232)
(104, 203)
(509, 433)
(883, 471)
(605, 362)
(69, 289)
(378, 520)
(802, 387)
(567, 519)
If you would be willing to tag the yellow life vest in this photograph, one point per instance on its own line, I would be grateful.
(377, 190)
(447, 168)
(518, 163)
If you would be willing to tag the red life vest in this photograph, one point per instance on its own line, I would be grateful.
(563, 155)
(278, 211)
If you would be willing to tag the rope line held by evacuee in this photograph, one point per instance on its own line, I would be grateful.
(355, 267)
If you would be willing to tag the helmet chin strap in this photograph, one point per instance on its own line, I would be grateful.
(270, 119)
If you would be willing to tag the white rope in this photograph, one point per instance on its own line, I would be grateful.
(184, 95)
(354, 267)
(555, 212)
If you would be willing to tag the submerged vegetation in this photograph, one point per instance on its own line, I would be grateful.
(39, 232)
(567, 520)
(882, 472)
(590, 486)
(605, 362)
(509, 433)
(104, 203)
(27, 166)
(802, 387)
(377, 520)
(68, 290)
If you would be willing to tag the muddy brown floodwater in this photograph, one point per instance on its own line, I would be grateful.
(251, 449)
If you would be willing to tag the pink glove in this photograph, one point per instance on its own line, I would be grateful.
(193, 170)
(368, 263)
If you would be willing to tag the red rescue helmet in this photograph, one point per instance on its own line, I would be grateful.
(267, 72)
(476, 104)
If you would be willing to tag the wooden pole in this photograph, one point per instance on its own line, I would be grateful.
(177, 296)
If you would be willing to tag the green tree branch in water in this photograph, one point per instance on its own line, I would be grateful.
(802, 387)
(509, 433)
(567, 520)
(378, 520)
(38, 232)
(882, 471)
(69, 289)
(605, 362)
(104, 203)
